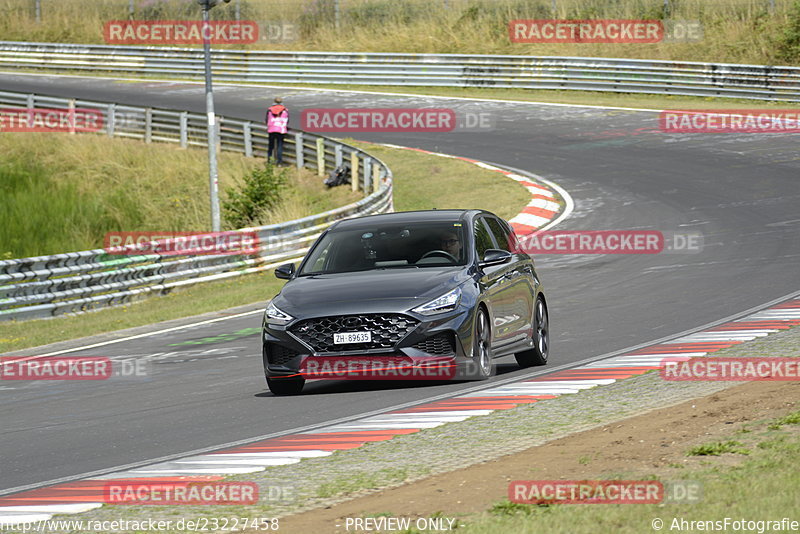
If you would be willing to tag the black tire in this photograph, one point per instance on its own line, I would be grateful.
(541, 338)
(285, 386)
(481, 367)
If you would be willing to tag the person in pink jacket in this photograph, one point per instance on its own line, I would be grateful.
(277, 125)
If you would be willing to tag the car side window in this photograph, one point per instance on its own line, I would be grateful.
(483, 240)
(505, 239)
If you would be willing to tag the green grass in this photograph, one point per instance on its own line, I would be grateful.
(180, 303)
(360, 481)
(761, 487)
(421, 182)
(62, 193)
(717, 448)
(427, 182)
(742, 31)
(791, 419)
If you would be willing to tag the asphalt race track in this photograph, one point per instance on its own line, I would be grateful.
(740, 190)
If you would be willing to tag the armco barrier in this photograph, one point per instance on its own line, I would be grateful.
(74, 282)
(445, 70)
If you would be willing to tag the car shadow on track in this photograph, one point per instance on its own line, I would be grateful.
(325, 387)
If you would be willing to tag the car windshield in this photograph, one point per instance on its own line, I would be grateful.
(388, 246)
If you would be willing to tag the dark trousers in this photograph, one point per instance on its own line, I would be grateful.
(276, 144)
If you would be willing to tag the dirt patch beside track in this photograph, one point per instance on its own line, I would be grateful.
(654, 443)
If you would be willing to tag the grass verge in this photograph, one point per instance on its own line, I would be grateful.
(60, 192)
(757, 488)
(421, 182)
(742, 31)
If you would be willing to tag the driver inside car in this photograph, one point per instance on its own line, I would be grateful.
(451, 244)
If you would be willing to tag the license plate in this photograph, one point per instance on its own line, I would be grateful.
(343, 338)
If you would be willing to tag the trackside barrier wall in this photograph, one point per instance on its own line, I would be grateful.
(761, 82)
(75, 282)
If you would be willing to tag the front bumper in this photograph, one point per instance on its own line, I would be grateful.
(431, 350)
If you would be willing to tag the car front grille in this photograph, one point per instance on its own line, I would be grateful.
(439, 344)
(279, 355)
(386, 329)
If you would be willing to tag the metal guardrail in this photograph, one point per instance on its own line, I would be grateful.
(75, 282)
(446, 70)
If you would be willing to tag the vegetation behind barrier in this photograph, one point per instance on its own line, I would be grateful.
(736, 31)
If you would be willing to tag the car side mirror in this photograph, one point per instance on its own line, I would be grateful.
(285, 271)
(495, 256)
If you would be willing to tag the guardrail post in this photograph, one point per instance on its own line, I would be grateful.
(376, 178)
(338, 155)
(72, 116)
(218, 146)
(248, 140)
(184, 127)
(354, 171)
(298, 150)
(321, 157)
(111, 119)
(148, 125)
(31, 99)
(367, 172)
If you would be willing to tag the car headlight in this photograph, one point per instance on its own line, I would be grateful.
(275, 315)
(445, 303)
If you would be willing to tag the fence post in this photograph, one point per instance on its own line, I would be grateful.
(72, 116)
(111, 118)
(37, 8)
(248, 141)
(298, 150)
(148, 125)
(238, 10)
(367, 173)
(338, 155)
(31, 106)
(184, 129)
(321, 157)
(376, 178)
(336, 14)
(131, 9)
(354, 170)
(218, 137)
